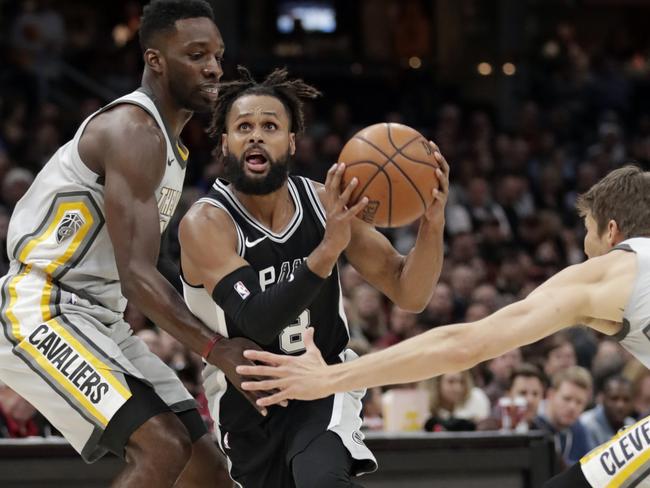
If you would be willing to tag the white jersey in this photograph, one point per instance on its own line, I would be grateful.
(58, 227)
(635, 335)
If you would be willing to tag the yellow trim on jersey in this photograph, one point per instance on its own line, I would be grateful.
(185, 153)
(623, 476)
(13, 297)
(45, 299)
(78, 237)
(62, 380)
(103, 370)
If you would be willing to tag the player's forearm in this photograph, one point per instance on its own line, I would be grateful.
(432, 353)
(421, 268)
(159, 301)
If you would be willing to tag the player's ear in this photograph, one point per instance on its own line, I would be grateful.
(154, 60)
(614, 235)
(224, 144)
(292, 143)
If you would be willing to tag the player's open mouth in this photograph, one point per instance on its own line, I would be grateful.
(256, 162)
(211, 90)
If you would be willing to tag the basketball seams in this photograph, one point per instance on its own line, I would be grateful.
(380, 170)
(389, 159)
(399, 151)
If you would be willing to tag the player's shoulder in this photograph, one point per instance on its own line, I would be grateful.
(600, 269)
(124, 127)
(203, 216)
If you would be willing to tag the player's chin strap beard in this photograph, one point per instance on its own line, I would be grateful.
(275, 178)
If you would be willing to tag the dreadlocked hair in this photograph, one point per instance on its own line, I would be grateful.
(277, 84)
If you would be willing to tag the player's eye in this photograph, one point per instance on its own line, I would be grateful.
(196, 56)
(270, 126)
(244, 126)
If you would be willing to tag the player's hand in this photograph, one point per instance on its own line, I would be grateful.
(227, 355)
(295, 377)
(339, 214)
(436, 211)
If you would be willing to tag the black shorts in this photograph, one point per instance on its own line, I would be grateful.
(262, 456)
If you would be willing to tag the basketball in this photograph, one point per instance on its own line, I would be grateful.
(396, 170)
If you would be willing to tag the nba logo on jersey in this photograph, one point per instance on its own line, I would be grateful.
(242, 290)
(70, 224)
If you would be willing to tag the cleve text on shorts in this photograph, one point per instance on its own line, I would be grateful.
(625, 448)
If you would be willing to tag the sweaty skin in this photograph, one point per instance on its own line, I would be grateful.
(126, 147)
(594, 292)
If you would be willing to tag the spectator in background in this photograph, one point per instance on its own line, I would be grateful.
(500, 370)
(18, 418)
(641, 395)
(401, 325)
(463, 281)
(566, 399)
(612, 411)
(440, 309)
(559, 354)
(369, 305)
(16, 182)
(526, 381)
(456, 404)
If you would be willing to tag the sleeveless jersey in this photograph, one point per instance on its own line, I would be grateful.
(274, 256)
(57, 227)
(635, 335)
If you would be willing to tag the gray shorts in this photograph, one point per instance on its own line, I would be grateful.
(69, 357)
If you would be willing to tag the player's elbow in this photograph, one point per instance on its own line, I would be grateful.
(134, 281)
(461, 350)
(412, 304)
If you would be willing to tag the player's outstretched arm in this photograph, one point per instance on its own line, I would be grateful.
(134, 156)
(409, 280)
(576, 292)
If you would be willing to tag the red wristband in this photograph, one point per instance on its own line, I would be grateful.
(210, 345)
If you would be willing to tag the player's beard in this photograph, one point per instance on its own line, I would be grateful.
(274, 179)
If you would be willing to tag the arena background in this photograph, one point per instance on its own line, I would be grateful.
(531, 102)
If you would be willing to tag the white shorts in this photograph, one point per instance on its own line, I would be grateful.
(68, 357)
(623, 461)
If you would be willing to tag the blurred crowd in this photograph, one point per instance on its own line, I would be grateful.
(510, 219)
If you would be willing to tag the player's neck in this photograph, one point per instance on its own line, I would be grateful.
(273, 210)
(175, 117)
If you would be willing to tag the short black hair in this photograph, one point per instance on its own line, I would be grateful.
(277, 84)
(160, 15)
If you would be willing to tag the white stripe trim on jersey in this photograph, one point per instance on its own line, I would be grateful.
(240, 234)
(282, 237)
(342, 314)
(315, 200)
(337, 410)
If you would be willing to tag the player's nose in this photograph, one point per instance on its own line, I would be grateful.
(213, 70)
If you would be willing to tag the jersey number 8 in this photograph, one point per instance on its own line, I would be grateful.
(291, 340)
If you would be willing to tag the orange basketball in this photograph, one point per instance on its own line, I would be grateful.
(396, 170)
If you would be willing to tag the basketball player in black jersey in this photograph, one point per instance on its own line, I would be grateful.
(259, 256)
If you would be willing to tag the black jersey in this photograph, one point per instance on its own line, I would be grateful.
(274, 256)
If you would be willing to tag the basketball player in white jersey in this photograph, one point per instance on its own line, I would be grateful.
(85, 238)
(610, 292)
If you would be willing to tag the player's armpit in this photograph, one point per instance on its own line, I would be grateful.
(208, 242)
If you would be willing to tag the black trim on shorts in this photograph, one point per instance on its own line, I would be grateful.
(143, 405)
(571, 478)
(193, 423)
